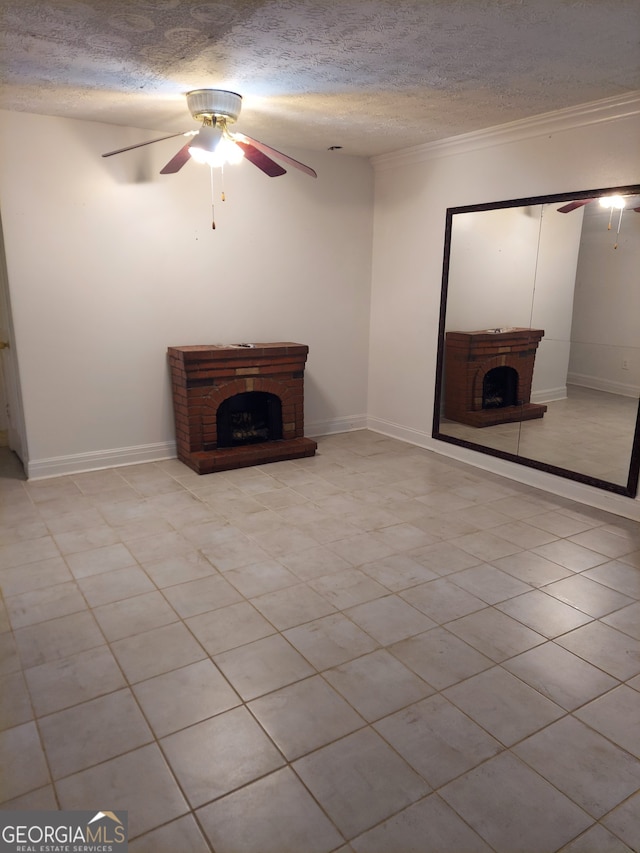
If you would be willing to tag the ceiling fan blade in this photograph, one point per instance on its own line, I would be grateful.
(141, 144)
(177, 161)
(574, 204)
(273, 152)
(259, 159)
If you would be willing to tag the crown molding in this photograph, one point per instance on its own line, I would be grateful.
(595, 112)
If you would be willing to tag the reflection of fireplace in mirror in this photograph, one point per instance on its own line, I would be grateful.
(488, 376)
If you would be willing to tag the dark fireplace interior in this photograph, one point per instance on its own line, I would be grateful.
(500, 388)
(250, 417)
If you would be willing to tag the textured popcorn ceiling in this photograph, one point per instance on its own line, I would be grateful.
(370, 75)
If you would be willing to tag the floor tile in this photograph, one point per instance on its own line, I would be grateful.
(359, 682)
(523, 534)
(390, 619)
(359, 781)
(273, 815)
(41, 799)
(154, 652)
(561, 676)
(292, 606)
(27, 551)
(624, 821)
(618, 576)
(113, 586)
(330, 641)
(582, 764)
(20, 750)
(596, 840)
(587, 595)
(134, 615)
(616, 715)
(305, 716)
(19, 579)
(28, 608)
(429, 826)
(178, 569)
(603, 542)
(68, 681)
(363, 548)
(519, 711)
(489, 584)
(262, 666)
(444, 558)
(314, 562)
(57, 638)
(347, 588)
(570, 555)
(99, 560)
(183, 834)
(228, 627)
(532, 568)
(200, 596)
(15, 704)
(614, 652)
(544, 613)
(442, 600)
(217, 756)
(486, 546)
(495, 634)
(508, 804)
(72, 541)
(398, 572)
(139, 782)
(437, 739)
(184, 696)
(440, 658)
(92, 732)
(259, 578)
(626, 620)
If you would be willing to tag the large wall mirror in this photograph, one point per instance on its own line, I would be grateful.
(539, 341)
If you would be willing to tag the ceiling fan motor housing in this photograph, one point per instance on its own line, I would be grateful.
(207, 103)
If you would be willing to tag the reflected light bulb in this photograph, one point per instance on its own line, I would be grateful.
(612, 201)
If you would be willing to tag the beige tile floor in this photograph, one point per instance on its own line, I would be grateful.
(600, 448)
(374, 650)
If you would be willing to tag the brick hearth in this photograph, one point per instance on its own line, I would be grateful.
(205, 376)
(469, 356)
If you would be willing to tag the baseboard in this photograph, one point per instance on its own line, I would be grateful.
(76, 463)
(335, 426)
(549, 395)
(609, 385)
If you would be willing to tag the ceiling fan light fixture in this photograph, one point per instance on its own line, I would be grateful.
(212, 147)
(612, 201)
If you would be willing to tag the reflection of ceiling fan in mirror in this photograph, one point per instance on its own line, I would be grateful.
(215, 144)
(610, 202)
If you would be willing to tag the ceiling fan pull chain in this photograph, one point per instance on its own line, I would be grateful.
(222, 196)
(213, 209)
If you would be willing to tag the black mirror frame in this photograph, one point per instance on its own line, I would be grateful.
(631, 488)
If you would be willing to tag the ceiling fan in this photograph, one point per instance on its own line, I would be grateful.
(573, 205)
(215, 144)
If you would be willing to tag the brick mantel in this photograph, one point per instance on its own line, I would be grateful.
(204, 376)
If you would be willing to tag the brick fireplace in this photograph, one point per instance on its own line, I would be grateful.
(488, 376)
(239, 404)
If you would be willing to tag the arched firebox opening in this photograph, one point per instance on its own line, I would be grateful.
(500, 388)
(250, 417)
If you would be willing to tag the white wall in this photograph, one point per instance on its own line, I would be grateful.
(412, 192)
(109, 263)
(607, 305)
